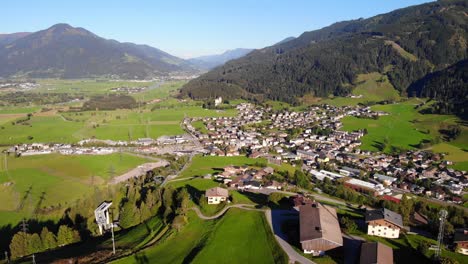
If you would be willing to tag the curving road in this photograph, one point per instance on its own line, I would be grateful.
(293, 255)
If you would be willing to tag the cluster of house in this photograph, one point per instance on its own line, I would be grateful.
(245, 178)
(400, 174)
(130, 90)
(64, 149)
(320, 230)
(265, 133)
(18, 85)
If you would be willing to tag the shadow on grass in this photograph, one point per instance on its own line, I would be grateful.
(379, 145)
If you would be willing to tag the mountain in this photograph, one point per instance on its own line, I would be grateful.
(285, 40)
(67, 52)
(406, 45)
(448, 86)
(211, 61)
(8, 38)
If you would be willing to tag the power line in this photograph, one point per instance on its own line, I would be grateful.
(440, 237)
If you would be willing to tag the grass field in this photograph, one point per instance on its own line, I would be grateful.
(34, 182)
(202, 165)
(238, 237)
(395, 129)
(115, 125)
(375, 87)
(84, 86)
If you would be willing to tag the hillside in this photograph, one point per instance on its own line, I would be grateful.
(448, 86)
(8, 38)
(211, 61)
(68, 52)
(405, 45)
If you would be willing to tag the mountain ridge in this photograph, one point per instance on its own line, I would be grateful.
(64, 51)
(325, 62)
(212, 61)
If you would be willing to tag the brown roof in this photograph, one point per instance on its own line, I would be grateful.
(217, 192)
(376, 253)
(319, 222)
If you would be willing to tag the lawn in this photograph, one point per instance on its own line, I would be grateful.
(34, 182)
(238, 237)
(395, 129)
(200, 126)
(202, 165)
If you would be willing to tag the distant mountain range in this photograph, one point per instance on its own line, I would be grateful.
(64, 51)
(212, 61)
(406, 45)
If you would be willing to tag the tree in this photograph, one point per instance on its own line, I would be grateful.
(34, 244)
(19, 245)
(406, 208)
(128, 215)
(275, 197)
(349, 224)
(301, 179)
(145, 212)
(183, 199)
(178, 222)
(67, 235)
(48, 239)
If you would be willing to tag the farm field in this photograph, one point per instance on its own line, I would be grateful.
(239, 236)
(35, 182)
(86, 86)
(71, 127)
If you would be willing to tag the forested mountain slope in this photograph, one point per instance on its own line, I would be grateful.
(405, 44)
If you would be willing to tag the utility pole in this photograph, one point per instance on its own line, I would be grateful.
(442, 217)
(7, 260)
(33, 259)
(113, 239)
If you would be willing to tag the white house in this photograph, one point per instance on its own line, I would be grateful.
(216, 195)
(383, 223)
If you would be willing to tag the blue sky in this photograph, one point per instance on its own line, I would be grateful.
(189, 28)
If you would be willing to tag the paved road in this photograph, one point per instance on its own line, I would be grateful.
(293, 255)
(241, 206)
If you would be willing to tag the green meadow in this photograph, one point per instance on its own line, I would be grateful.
(84, 86)
(202, 165)
(70, 127)
(34, 182)
(395, 129)
(237, 237)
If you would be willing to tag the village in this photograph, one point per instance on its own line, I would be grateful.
(310, 141)
(313, 141)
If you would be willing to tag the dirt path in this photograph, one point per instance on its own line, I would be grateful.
(138, 171)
